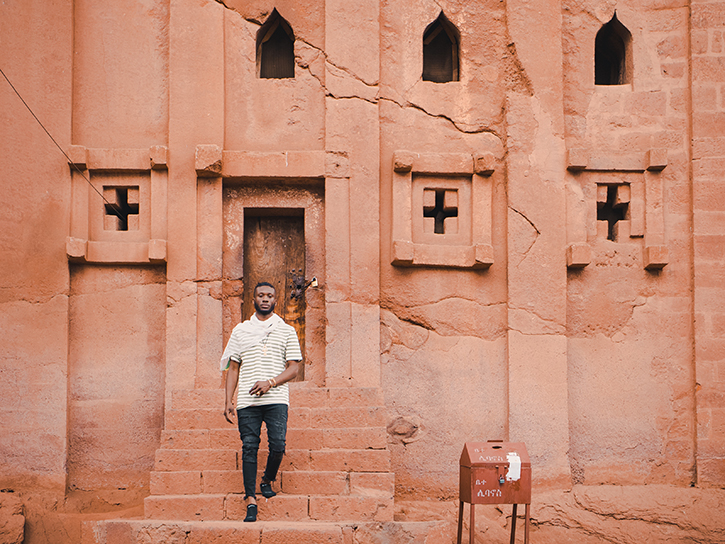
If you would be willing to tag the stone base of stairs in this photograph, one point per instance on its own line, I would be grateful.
(281, 508)
(265, 532)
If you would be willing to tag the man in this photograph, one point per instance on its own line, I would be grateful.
(261, 356)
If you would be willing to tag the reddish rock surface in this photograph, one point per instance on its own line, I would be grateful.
(12, 520)
(524, 245)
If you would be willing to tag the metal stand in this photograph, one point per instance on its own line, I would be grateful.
(472, 524)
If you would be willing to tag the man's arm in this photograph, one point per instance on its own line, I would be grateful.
(230, 388)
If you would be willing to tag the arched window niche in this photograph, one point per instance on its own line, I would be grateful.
(440, 51)
(275, 49)
(613, 54)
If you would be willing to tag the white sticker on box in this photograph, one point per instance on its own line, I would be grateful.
(514, 472)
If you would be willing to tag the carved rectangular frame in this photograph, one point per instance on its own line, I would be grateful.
(477, 254)
(647, 204)
(151, 166)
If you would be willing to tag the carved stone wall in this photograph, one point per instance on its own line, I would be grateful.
(505, 248)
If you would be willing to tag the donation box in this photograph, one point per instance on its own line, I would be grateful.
(495, 473)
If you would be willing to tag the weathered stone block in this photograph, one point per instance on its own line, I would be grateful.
(351, 508)
(305, 439)
(299, 418)
(337, 165)
(403, 161)
(75, 248)
(314, 482)
(196, 419)
(622, 231)
(483, 255)
(224, 438)
(403, 253)
(355, 438)
(308, 397)
(356, 396)
(372, 484)
(602, 193)
(602, 230)
(351, 460)
(655, 257)
(577, 159)
(157, 250)
(624, 194)
(657, 159)
(188, 460)
(184, 507)
(484, 164)
(351, 416)
(578, 255)
(208, 160)
(175, 483)
(12, 519)
(185, 439)
(78, 156)
(222, 481)
(158, 155)
(280, 508)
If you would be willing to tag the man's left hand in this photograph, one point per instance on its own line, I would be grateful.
(260, 388)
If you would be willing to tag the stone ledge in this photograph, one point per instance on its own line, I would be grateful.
(299, 532)
(410, 254)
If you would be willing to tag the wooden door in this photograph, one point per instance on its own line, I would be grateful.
(274, 246)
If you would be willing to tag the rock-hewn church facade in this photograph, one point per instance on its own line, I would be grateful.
(487, 220)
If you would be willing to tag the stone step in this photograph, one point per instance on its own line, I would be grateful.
(370, 484)
(299, 418)
(124, 531)
(168, 460)
(301, 395)
(280, 508)
(313, 439)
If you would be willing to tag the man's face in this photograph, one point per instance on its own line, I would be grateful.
(264, 299)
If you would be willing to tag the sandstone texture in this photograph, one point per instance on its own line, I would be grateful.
(486, 220)
(12, 520)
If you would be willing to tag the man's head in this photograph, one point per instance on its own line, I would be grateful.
(265, 298)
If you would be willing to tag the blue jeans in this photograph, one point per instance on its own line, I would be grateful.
(250, 421)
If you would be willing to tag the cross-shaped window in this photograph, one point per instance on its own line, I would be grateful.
(122, 208)
(440, 204)
(612, 210)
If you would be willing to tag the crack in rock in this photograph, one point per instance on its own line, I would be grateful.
(525, 253)
(460, 127)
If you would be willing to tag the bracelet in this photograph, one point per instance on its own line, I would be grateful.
(272, 382)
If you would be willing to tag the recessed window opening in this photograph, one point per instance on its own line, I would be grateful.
(440, 51)
(611, 211)
(122, 208)
(613, 54)
(275, 49)
(441, 210)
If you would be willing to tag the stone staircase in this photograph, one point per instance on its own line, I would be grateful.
(335, 483)
(337, 466)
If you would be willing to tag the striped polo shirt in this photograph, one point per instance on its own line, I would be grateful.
(267, 360)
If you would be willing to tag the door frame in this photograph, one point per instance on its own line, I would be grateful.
(240, 196)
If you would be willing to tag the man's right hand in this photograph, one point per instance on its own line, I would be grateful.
(230, 386)
(229, 412)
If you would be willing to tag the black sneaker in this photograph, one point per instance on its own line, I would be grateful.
(266, 490)
(251, 512)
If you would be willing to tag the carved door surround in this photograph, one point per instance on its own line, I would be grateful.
(285, 184)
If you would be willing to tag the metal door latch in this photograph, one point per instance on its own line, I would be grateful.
(300, 284)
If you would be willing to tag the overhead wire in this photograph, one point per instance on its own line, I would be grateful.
(112, 206)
